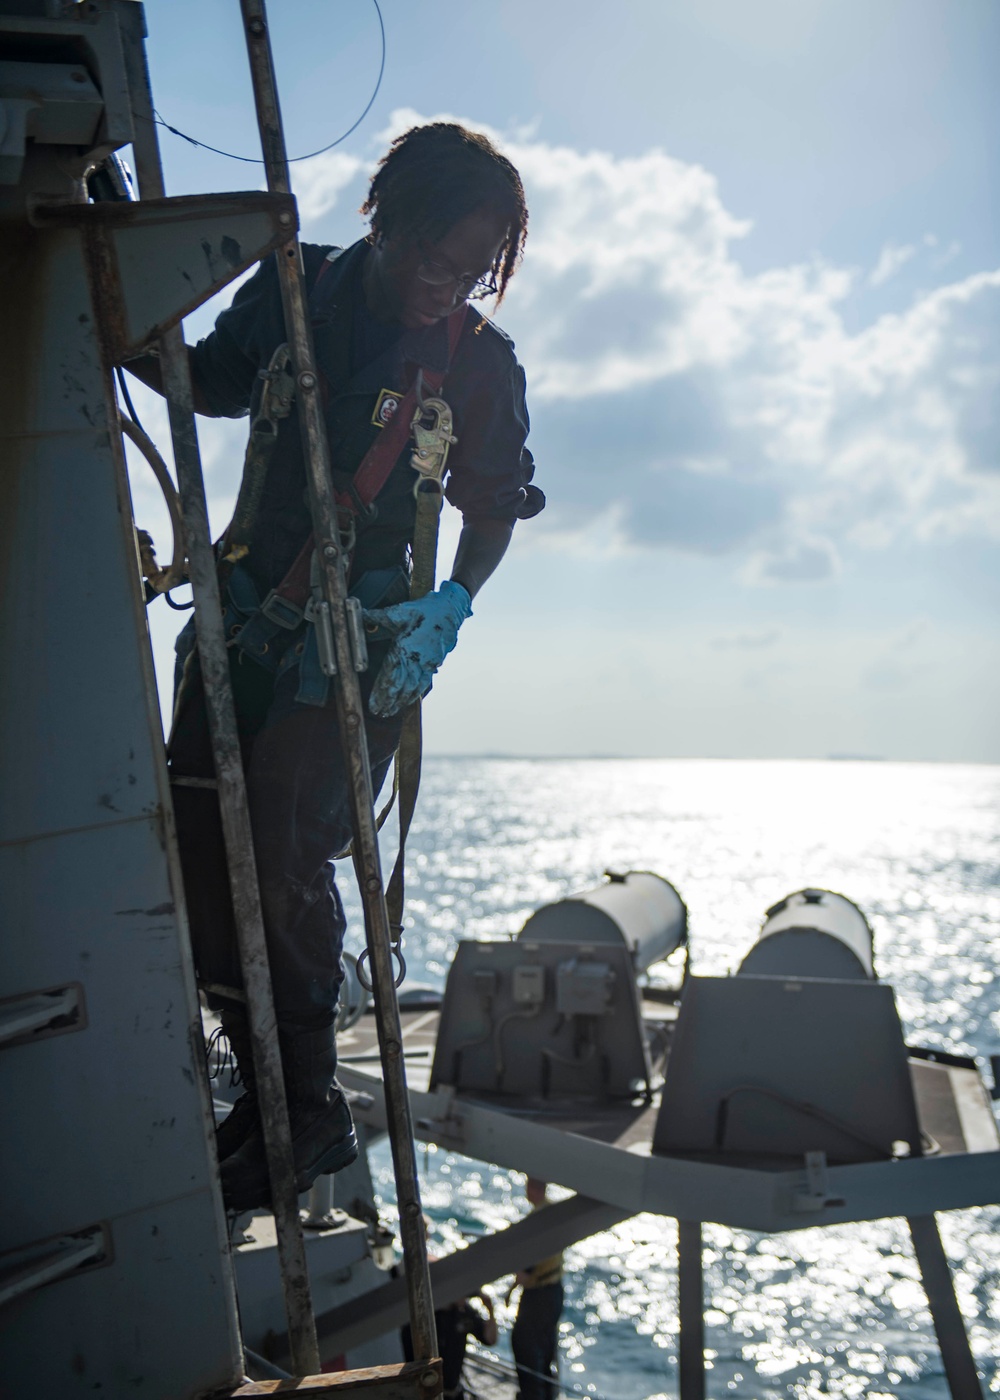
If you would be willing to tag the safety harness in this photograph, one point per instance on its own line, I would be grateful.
(430, 421)
(422, 413)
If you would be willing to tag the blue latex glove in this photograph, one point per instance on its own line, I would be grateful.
(424, 631)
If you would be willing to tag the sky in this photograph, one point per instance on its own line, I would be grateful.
(758, 314)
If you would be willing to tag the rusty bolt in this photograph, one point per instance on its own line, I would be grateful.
(412, 1208)
(428, 1379)
(353, 720)
(392, 1048)
(284, 217)
(374, 883)
(330, 551)
(256, 26)
(307, 380)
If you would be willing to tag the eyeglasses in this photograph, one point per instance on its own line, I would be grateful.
(472, 288)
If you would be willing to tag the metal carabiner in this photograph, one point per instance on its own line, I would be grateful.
(432, 439)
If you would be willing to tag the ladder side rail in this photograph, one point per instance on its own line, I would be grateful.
(350, 710)
(234, 810)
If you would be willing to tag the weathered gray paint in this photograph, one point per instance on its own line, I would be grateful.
(110, 1123)
(107, 1125)
(781, 1066)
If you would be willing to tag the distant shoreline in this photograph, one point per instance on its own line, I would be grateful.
(494, 756)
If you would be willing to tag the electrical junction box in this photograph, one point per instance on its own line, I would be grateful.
(529, 984)
(541, 1022)
(584, 988)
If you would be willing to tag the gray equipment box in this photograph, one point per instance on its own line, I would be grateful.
(774, 1067)
(542, 1020)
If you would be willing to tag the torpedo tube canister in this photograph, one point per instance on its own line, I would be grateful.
(813, 933)
(638, 909)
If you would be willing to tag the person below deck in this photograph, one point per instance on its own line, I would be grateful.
(534, 1337)
(448, 224)
(455, 1324)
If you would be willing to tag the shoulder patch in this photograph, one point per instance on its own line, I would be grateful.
(386, 406)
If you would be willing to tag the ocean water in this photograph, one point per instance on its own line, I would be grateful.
(835, 1311)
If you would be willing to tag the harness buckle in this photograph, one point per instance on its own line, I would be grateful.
(317, 611)
(281, 611)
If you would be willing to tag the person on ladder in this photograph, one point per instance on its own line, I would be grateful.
(390, 316)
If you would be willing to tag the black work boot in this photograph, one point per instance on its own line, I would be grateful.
(323, 1136)
(243, 1118)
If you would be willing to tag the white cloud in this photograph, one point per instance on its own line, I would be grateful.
(802, 560)
(892, 257)
(318, 183)
(746, 641)
(681, 401)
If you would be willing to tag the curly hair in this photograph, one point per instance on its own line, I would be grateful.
(433, 176)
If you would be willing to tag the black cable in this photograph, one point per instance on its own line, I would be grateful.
(504, 1370)
(291, 160)
(129, 405)
(809, 1110)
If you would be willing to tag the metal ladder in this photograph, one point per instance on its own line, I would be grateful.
(423, 1377)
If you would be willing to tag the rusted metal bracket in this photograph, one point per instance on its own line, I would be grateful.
(196, 243)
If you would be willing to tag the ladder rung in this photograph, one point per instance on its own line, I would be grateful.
(413, 1380)
(34, 1014)
(22, 1271)
(180, 781)
(219, 989)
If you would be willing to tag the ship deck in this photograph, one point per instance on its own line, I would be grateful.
(954, 1110)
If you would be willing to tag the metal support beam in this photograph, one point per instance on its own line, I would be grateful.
(24, 1270)
(228, 764)
(463, 1273)
(350, 710)
(741, 1197)
(197, 244)
(956, 1354)
(691, 1311)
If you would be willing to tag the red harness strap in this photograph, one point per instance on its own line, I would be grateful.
(376, 466)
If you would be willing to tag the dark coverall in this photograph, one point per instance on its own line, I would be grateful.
(534, 1337)
(297, 787)
(455, 1325)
